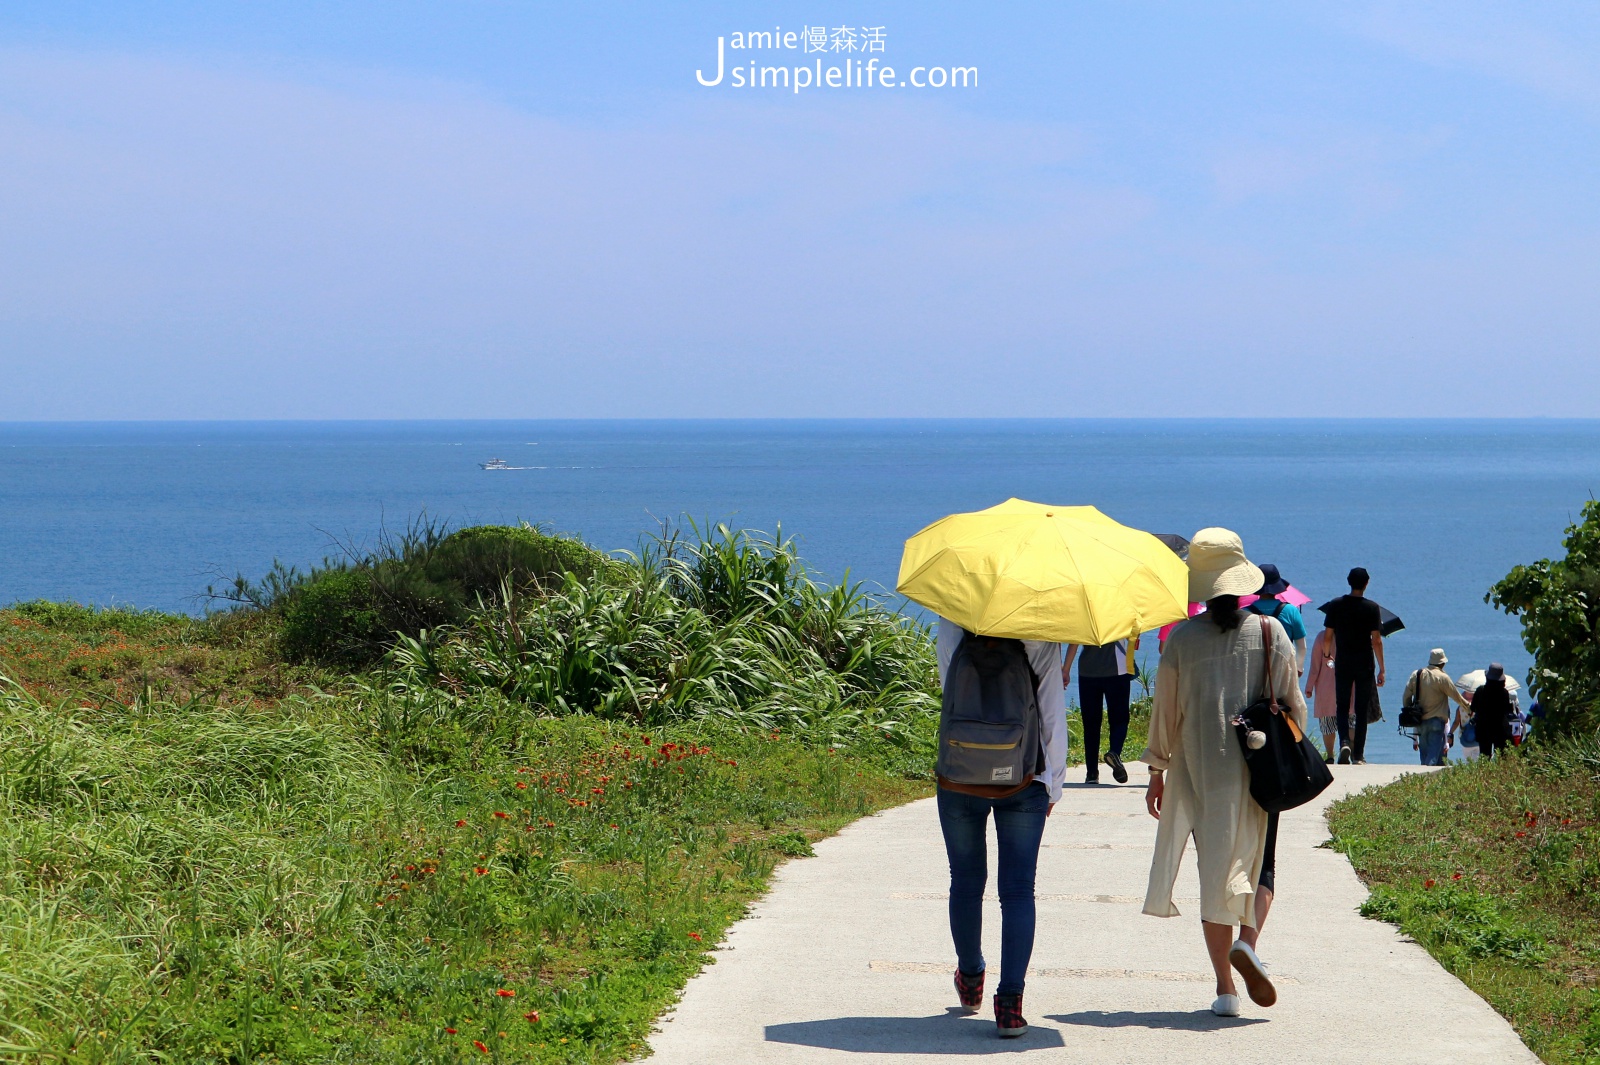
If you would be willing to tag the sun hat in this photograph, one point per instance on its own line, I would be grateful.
(1217, 566)
(1436, 657)
(1496, 671)
(1274, 580)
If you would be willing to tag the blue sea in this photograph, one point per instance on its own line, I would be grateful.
(148, 514)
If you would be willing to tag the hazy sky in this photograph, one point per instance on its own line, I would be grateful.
(468, 208)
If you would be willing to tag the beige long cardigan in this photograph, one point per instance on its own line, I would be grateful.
(1205, 677)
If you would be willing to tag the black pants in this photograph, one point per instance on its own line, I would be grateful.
(1269, 858)
(1364, 687)
(1488, 745)
(1114, 693)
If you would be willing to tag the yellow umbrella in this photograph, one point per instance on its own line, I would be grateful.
(1036, 572)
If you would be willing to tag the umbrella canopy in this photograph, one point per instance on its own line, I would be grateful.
(1179, 544)
(1035, 572)
(1389, 622)
(1471, 682)
(1291, 595)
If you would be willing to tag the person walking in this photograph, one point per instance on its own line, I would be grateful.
(1433, 690)
(1019, 809)
(1105, 686)
(1288, 615)
(1215, 666)
(1491, 712)
(1354, 621)
(1320, 689)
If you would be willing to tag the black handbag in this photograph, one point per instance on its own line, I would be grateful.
(1285, 769)
(1411, 709)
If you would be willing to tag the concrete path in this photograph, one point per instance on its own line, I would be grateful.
(849, 959)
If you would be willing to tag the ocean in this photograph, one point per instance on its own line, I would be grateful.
(147, 514)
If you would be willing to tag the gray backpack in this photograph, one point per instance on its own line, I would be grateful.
(989, 727)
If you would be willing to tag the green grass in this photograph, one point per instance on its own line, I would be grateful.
(1495, 869)
(338, 879)
(111, 657)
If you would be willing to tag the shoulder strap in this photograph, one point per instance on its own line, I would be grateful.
(1266, 645)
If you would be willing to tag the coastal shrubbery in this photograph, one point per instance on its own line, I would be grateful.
(1559, 604)
(500, 799)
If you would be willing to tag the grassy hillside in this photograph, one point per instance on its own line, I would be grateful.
(1495, 869)
(508, 828)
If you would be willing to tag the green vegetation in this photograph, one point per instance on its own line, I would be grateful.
(509, 828)
(1494, 867)
(1559, 603)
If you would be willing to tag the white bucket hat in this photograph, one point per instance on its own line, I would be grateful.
(1436, 657)
(1217, 566)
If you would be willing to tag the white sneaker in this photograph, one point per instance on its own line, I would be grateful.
(1256, 981)
(1226, 1006)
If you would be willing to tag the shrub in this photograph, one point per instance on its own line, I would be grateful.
(347, 613)
(333, 618)
(1559, 604)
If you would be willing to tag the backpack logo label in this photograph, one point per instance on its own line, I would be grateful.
(1002, 773)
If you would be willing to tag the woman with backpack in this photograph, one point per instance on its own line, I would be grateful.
(1214, 667)
(1002, 750)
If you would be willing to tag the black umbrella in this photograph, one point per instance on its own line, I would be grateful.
(1179, 544)
(1389, 622)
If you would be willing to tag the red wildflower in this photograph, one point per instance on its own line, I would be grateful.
(501, 814)
(1428, 883)
(449, 1031)
(461, 824)
(561, 791)
(695, 936)
(531, 1017)
(522, 785)
(479, 1044)
(480, 870)
(1521, 834)
(597, 791)
(506, 992)
(411, 868)
(647, 741)
(1456, 877)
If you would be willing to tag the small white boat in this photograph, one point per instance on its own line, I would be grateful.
(497, 464)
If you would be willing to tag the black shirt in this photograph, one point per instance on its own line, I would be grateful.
(1353, 619)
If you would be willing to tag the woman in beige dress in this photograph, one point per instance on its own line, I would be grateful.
(1212, 668)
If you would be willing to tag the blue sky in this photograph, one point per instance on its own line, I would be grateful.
(502, 209)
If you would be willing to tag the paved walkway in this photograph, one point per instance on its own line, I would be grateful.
(849, 959)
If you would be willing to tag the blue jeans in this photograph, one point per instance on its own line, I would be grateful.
(1018, 825)
(1430, 740)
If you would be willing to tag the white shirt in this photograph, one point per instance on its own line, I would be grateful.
(1045, 658)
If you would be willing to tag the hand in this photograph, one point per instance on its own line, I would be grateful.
(1308, 691)
(1380, 678)
(1048, 810)
(1153, 794)
(1066, 676)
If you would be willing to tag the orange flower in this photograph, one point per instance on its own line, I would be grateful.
(479, 1044)
(1428, 883)
(506, 992)
(449, 1031)
(480, 870)
(461, 824)
(695, 936)
(502, 815)
(522, 785)
(531, 1017)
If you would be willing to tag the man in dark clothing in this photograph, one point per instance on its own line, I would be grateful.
(1105, 677)
(1353, 624)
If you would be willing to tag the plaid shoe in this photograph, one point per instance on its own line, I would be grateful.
(969, 989)
(1008, 1016)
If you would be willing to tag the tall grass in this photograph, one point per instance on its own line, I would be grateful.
(728, 626)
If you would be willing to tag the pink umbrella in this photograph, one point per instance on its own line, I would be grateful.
(1291, 595)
